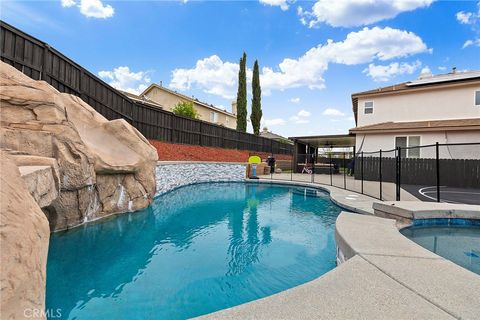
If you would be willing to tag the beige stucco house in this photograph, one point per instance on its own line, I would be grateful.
(168, 98)
(442, 108)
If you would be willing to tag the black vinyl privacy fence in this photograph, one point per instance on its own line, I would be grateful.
(39, 61)
(462, 173)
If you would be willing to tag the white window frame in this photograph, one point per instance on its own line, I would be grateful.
(408, 144)
(475, 97)
(364, 107)
(213, 116)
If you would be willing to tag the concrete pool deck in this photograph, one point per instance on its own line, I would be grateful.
(381, 273)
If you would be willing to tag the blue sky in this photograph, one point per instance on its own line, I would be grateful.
(313, 55)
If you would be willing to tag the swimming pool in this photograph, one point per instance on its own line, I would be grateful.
(457, 240)
(197, 249)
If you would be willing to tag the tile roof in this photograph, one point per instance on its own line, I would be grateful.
(430, 125)
(204, 104)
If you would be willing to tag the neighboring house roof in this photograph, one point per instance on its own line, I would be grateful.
(424, 83)
(141, 99)
(415, 126)
(273, 136)
(204, 104)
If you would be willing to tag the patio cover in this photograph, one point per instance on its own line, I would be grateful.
(333, 141)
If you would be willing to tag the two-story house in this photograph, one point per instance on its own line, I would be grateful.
(167, 98)
(442, 108)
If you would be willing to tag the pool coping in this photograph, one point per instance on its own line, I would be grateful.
(381, 275)
(405, 212)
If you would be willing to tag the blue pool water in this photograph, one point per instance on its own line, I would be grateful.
(458, 242)
(197, 249)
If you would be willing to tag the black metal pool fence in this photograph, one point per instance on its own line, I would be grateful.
(441, 172)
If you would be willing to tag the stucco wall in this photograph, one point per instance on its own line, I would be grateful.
(168, 101)
(446, 103)
(375, 142)
(171, 175)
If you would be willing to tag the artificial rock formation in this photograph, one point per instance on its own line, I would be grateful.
(101, 167)
(24, 235)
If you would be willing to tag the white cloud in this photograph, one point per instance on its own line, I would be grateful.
(352, 13)
(426, 70)
(91, 8)
(283, 4)
(331, 112)
(301, 117)
(359, 47)
(123, 79)
(464, 17)
(387, 72)
(303, 113)
(68, 3)
(275, 122)
(295, 100)
(220, 78)
(473, 20)
(469, 43)
(211, 74)
(442, 68)
(96, 9)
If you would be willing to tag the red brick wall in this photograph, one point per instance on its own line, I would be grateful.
(185, 152)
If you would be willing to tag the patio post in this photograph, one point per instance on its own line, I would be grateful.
(344, 173)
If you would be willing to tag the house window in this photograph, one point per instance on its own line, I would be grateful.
(410, 142)
(213, 117)
(414, 141)
(368, 107)
(477, 98)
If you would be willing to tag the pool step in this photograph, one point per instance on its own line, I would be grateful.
(307, 192)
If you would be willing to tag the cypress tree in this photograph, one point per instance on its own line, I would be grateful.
(242, 96)
(256, 115)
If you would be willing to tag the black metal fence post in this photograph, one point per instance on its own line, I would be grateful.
(313, 168)
(291, 167)
(380, 173)
(271, 154)
(361, 169)
(398, 156)
(437, 169)
(344, 173)
(330, 165)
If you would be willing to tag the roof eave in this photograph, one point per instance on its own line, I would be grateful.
(415, 129)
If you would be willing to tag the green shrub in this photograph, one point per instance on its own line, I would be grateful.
(185, 109)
